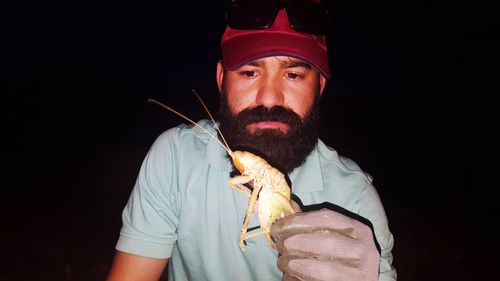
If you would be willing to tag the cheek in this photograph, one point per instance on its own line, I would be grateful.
(239, 96)
(301, 100)
(234, 104)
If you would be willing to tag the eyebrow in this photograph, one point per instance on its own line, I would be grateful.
(256, 63)
(296, 63)
(288, 63)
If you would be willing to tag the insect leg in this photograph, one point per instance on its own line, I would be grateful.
(251, 203)
(266, 233)
(237, 183)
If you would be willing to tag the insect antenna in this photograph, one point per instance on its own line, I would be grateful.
(211, 117)
(194, 123)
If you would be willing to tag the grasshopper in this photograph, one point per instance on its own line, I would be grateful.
(270, 188)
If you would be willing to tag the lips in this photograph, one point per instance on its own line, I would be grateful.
(270, 125)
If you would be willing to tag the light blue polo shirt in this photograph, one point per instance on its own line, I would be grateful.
(183, 209)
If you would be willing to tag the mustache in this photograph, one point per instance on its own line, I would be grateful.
(275, 113)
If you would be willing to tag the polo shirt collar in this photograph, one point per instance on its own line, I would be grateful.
(308, 177)
(216, 155)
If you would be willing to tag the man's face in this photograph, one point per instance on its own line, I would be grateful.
(271, 106)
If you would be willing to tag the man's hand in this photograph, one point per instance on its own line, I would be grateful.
(325, 245)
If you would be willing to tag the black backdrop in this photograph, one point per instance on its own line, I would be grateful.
(411, 101)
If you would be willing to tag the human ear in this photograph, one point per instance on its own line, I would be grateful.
(219, 75)
(322, 84)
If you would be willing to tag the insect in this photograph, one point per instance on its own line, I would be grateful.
(270, 193)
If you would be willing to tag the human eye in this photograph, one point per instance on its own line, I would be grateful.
(294, 75)
(248, 73)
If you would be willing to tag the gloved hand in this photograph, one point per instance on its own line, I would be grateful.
(325, 245)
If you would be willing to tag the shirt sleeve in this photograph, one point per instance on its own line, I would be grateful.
(150, 217)
(370, 207)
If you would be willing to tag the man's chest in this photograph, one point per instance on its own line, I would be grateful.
(210, 221)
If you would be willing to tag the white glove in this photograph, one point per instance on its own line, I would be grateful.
(326, 245)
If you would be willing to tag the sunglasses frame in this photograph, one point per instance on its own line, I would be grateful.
(316, 22)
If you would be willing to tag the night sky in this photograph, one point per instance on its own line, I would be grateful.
(411, 101)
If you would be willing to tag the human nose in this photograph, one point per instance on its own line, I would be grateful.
(270, 94)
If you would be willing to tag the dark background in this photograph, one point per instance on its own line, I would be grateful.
(411, 101)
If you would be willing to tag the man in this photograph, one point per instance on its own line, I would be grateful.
(183, 214)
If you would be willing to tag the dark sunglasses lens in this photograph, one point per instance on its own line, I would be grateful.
(308, 17)
(251, 14)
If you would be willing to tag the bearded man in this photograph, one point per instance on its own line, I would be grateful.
(182, 213)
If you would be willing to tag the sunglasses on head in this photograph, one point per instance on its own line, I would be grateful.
(304, 16)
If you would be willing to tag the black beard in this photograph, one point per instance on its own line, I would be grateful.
(284, 151)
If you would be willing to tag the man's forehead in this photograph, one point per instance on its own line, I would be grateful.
(284, 61)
